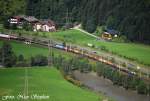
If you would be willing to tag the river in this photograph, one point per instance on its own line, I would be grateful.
(106, 87)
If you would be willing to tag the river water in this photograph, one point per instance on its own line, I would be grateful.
(106, 87)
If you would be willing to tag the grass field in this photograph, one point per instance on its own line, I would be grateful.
(33, 50)
(138, 52)
(41, 81)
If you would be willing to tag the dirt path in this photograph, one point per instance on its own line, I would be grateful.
(78, 28)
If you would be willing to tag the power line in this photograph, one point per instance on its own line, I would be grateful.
(50, 58)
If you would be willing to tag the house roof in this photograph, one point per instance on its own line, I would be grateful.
(48, 22)
(27, 18)
(111, 31)
(106, 33)
(30, 19)
(17, 17)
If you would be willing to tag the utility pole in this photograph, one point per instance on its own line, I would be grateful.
(3, 57)
(148, 84)
(68, 16)
(139, 71)
(50, 45)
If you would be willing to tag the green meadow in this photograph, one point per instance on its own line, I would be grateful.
(41, 81)
(136, 52)
(32, 50)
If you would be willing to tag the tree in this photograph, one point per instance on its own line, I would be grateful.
(0, 55)
(130, 17)
(84, 65)
(11, 7)
(110, 22)
(8, 57)
(27, 26)
(141, 88)
(99, 69)
(20, 57)
(39, 60)
(6, 23)
(91, 25)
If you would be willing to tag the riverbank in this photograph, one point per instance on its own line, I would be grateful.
(99, 84)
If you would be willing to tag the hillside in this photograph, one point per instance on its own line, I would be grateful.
(74, 50)
(136, 52)
(41, 81)
(129, 17)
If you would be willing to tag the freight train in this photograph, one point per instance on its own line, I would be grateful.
(5, 36)
(69, 48)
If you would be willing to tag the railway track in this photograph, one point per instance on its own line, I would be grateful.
(76, 50)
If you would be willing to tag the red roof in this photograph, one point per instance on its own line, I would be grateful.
(17, 17)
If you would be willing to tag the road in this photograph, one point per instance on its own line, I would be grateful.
(135, 65)
(79, 29)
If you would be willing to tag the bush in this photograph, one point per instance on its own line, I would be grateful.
(39, 60)
(128, 81)
(121, 39)
(141, 88)
(20, 57)
(99, 30)
(22, 64)
(104, 48)
(44, 34)
(68, 25)
(73, 81)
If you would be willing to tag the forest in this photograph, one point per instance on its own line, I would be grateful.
(129, 17)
